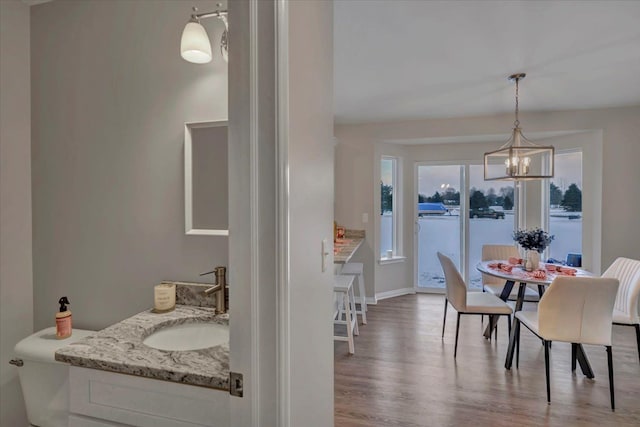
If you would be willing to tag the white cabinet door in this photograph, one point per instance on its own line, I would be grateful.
(145, 402)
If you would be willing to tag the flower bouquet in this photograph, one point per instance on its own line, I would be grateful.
(534, 241)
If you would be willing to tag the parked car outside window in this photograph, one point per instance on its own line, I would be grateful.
(485, 213)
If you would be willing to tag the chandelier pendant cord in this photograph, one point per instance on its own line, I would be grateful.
(516, 123)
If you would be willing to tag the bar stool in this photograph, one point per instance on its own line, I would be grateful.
(343, 286)
(356, 269)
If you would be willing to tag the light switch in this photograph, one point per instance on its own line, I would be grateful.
(325, 254)
(365, 218)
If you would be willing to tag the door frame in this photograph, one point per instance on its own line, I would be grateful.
(252, 219)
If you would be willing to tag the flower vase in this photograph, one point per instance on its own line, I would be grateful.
(533, 260)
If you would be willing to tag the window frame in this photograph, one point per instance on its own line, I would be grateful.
(396, 214)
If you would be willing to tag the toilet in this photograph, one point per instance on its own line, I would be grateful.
(45, 382)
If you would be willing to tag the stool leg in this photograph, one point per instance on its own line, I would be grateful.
(345, 301)
(352, 298)
(362, 291)
(363, 299)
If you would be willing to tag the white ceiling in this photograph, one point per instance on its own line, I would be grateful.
(401, 59)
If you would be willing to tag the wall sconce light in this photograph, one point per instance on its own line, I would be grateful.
(519, 159)
(195, 46)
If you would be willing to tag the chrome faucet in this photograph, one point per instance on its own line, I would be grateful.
(220, 288)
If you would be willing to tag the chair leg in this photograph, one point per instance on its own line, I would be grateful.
(638, 338)
(574, 356)
(610, 363)
(546, 369)
(444, 319)
(455, 351)
(517, 332)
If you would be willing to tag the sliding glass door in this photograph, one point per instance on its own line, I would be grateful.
(438, 222)
(457, 212)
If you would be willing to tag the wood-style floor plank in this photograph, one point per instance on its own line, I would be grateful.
(404, 374)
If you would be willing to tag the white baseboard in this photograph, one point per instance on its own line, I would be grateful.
(383, 295)
(394, 293)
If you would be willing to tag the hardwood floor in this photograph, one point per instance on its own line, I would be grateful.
(404, 374)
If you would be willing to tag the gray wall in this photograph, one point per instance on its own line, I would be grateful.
(110, 96)
(16, 285)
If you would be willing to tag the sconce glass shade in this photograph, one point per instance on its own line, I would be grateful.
(194, 45)
(519, 159)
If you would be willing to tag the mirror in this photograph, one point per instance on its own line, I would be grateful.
(206, 178)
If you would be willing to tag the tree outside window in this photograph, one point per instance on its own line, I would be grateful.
(386, 195)
(555, 195)
(572, 200)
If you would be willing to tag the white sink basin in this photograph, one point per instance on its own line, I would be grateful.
(188, 336)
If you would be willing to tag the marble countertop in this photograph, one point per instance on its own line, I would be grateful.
(345, 248)
(119, 348)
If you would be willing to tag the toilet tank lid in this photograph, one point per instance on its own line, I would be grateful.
(42, 345)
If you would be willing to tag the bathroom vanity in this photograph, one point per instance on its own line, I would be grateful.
(168, 370)
(106, 399)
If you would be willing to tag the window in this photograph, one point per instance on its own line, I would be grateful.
(491, 217)
(389, 208)
(564, 206)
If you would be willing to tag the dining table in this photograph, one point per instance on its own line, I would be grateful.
(512, 273)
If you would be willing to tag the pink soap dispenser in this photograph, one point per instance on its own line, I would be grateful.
(63, 320)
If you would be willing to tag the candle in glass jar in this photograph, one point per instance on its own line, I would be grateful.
(164, 297)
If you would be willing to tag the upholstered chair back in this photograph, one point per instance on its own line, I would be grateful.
(490, 252)
(627, 271)
(456, 288)
(578, 309)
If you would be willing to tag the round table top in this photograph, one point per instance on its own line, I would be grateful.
(518, 274)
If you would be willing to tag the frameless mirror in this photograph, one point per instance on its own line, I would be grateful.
(206, 178)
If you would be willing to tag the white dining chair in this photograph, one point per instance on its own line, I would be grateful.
(577, 310)
(626, 310)
(494, 284)
(468, 302)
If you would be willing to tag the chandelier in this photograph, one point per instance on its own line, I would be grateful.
(518, 158)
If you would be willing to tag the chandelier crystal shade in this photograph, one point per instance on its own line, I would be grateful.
(519, 158)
